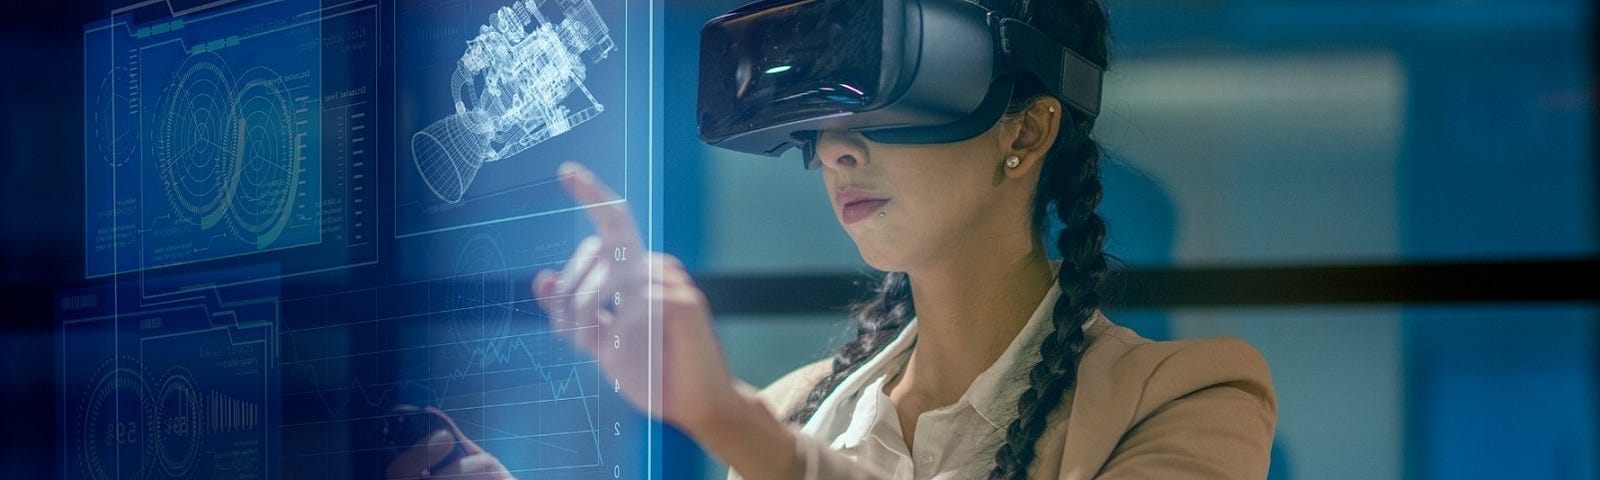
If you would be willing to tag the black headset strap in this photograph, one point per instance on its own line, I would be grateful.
(1067, 74)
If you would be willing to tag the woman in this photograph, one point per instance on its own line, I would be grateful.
(977, 356)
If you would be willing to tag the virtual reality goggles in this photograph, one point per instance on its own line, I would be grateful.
(774, 72)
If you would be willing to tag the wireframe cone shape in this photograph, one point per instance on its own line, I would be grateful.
(449, 153)
(519, 82)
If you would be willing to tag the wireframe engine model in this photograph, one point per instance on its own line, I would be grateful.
(513, 89)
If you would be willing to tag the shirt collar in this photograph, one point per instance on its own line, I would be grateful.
(992, 394)
(872, 418)
(852, 385)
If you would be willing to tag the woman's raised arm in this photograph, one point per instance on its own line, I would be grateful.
(699, 394)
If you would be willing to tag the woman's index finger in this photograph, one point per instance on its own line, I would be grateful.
(609, 214)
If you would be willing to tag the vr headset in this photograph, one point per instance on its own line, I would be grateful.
(775, 72)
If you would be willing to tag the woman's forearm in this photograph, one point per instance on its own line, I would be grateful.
(754, 443)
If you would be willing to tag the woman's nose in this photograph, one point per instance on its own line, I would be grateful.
(836, 150)
(842, 161)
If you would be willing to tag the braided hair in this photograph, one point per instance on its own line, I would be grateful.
(1069, 189)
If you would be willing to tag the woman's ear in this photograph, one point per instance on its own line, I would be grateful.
(1035, 131)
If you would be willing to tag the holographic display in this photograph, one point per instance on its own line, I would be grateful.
(205, 136)
(304, 216)
(169, 379)
(464, 338)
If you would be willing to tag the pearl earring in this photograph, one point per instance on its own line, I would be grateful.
(1013, 161)
(1052, 109)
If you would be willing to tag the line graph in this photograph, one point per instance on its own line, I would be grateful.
(556, 396)
(463, 343)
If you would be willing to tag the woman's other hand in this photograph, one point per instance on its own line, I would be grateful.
(422, 460)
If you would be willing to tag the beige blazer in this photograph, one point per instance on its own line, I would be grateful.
(1200, 409)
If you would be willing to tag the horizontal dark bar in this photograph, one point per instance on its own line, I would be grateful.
(1535, 281)
(1541, 281)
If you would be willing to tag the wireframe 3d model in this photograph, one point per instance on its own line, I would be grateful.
(513, 89)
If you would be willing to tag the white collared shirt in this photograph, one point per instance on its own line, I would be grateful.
(954, 441)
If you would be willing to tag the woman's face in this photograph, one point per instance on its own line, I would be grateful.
(908, 205)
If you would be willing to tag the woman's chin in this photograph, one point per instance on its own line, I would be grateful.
(883, 249)
(881, 260)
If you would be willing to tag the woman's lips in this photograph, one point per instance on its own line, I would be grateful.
(860, 209)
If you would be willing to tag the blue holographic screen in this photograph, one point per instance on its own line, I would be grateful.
(300, 214)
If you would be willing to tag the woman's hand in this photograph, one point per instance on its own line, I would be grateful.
(421, 461)
(601, 302)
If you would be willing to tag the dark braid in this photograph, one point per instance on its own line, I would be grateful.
(1069, 185)
(1075, 193)
(878, 321)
